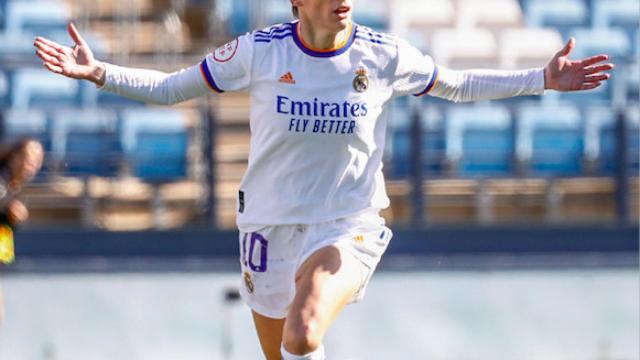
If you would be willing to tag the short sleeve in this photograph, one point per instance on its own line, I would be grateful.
(228, 68)
(416, 73)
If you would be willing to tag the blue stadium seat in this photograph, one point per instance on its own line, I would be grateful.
(41, 88)
(20, 123)
(113, 101)
(36, 16)
(15, 48)
(550, 140)
(433, 142)
(617, 13)
(480, 141)
(600, 144)
(593, 41)
(86, 142)
(240, 17)
(373, 14)
(561, 14)
(155, 143)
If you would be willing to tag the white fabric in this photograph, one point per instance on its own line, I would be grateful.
(318, 354)
(316, 142)
(474, 85)
(270, 257)
(154, 86)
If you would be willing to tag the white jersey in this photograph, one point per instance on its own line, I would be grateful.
(317, 137)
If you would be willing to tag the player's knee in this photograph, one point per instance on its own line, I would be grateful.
(302, 338)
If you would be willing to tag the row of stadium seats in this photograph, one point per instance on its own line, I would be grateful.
(36, 87)
(21, 20)
(524, 47)
(487, 141)
(83, 143)
(33, 16)
(563, 14)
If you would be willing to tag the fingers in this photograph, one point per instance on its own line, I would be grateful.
(48, 51)
(75, 35)
(48, 58)
(51, 44)
(593, 60)
(568, 47)
(597, 69)
(596, 78)
(53, 68)
(589, 86)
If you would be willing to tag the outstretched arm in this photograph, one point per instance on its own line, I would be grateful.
(140, 84)
(560, 74)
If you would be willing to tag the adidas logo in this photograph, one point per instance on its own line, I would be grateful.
(287, 78)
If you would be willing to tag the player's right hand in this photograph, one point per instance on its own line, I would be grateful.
(77, 62)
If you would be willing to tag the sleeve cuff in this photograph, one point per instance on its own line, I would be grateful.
(432, 83)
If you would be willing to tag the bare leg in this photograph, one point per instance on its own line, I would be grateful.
(325, 283)
(270, 335)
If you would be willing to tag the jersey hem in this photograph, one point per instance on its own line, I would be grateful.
(252, 227)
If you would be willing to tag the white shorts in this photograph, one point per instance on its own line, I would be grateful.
(271, 256)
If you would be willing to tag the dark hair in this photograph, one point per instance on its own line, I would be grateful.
(294, 10)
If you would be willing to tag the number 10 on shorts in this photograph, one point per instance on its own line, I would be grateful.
(257, 248)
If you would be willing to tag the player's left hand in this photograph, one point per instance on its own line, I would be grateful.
(563, 74)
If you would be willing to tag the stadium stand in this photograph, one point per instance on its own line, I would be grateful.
(36, 16)
(561, 15)
(155, 136)
(480, 141)
(433, 142)
(528, 47)
(490, 14)
(86, 143)
(464, 48)
(19, 123)
(40, 88)
(550, 140)
(600, 145)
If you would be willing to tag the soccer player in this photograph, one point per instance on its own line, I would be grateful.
(19, 163)
(310, 233)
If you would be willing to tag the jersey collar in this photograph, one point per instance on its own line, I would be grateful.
(323, 53)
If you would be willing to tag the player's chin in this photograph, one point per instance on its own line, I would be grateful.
(340, 24)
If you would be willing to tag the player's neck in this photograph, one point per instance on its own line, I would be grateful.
(322, 39)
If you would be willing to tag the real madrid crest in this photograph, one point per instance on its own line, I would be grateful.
(361, 81)
(248, 283)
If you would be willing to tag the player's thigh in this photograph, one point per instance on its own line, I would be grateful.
(325, 283)
(270, 335)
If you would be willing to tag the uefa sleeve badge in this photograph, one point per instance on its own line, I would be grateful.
(361, 81)
(226, 52)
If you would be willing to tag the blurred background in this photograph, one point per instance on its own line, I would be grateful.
(515, 221)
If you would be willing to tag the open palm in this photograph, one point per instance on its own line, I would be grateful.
(77, 62)
(563, 74)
